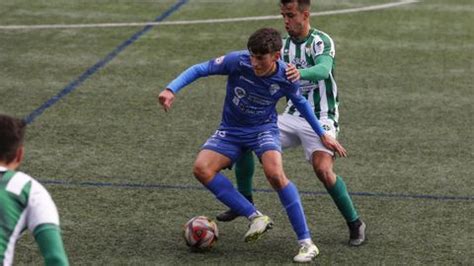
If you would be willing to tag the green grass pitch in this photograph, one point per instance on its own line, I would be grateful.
(119, 168)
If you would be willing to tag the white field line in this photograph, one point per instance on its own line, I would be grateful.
(200, 21)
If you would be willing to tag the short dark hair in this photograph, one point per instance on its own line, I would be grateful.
(302, 4)
(265, 41)
(12, 132)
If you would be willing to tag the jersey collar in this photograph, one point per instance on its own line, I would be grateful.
(311, 30)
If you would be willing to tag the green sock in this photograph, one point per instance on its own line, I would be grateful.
(343, 201)
(244, 169)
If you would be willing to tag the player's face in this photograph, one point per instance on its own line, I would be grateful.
(264, 65)
(294, 19)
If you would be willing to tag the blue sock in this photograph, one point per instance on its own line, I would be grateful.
(225, 192)
(290, 199)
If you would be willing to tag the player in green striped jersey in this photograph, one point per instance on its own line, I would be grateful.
(24, 203)
(311, 57)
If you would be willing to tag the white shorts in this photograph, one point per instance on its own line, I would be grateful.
(295, 130)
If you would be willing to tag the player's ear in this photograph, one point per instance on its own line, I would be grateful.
(20, 153)
(277, 55)
(306, 14)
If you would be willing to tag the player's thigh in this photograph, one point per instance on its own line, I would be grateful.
(217, 153)
(288, 133)
(272, 164)
(311, 141)
(211, 161)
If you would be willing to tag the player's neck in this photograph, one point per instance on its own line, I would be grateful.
(10, 166)
(304, 34)
(3, 165)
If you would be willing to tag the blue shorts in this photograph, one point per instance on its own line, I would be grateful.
(232, 144)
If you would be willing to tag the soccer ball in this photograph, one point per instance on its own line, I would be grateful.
(200, 233)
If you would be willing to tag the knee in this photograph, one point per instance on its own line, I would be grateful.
(325, 175)
(277, 180)
(202, 173)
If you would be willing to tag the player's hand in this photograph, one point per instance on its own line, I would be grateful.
(292, 73)
(334, 145)
(166, 98)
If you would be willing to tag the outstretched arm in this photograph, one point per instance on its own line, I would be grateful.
(166, 97)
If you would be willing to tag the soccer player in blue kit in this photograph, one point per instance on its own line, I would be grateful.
(256, 81)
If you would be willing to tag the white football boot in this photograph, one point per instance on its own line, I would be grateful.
(307, 253)
(258, 226)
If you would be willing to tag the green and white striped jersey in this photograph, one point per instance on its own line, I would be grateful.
(24, 204)
(321, 95)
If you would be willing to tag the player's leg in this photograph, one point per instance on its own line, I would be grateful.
(290, 199)
(323, 167)
(207, 170)
(220, 151)
(322, 161)
(244, 171)
(259, 225)
(288, 132)
(245, 165)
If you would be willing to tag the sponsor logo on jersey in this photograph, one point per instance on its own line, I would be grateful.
(239, 92)
(219, 60)
(259, 100)
(274, 88)
(236, 101)
(299, 63)
(220, 133)
(318, 47)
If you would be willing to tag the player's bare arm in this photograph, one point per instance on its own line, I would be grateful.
(166, 98)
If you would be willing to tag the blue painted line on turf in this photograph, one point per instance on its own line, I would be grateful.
(92, 70)
(302, 192)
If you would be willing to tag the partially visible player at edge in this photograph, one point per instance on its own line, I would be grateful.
(256, 81)
(311, 55)
(24, 203)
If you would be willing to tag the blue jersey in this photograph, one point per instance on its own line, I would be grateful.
(250, 102)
